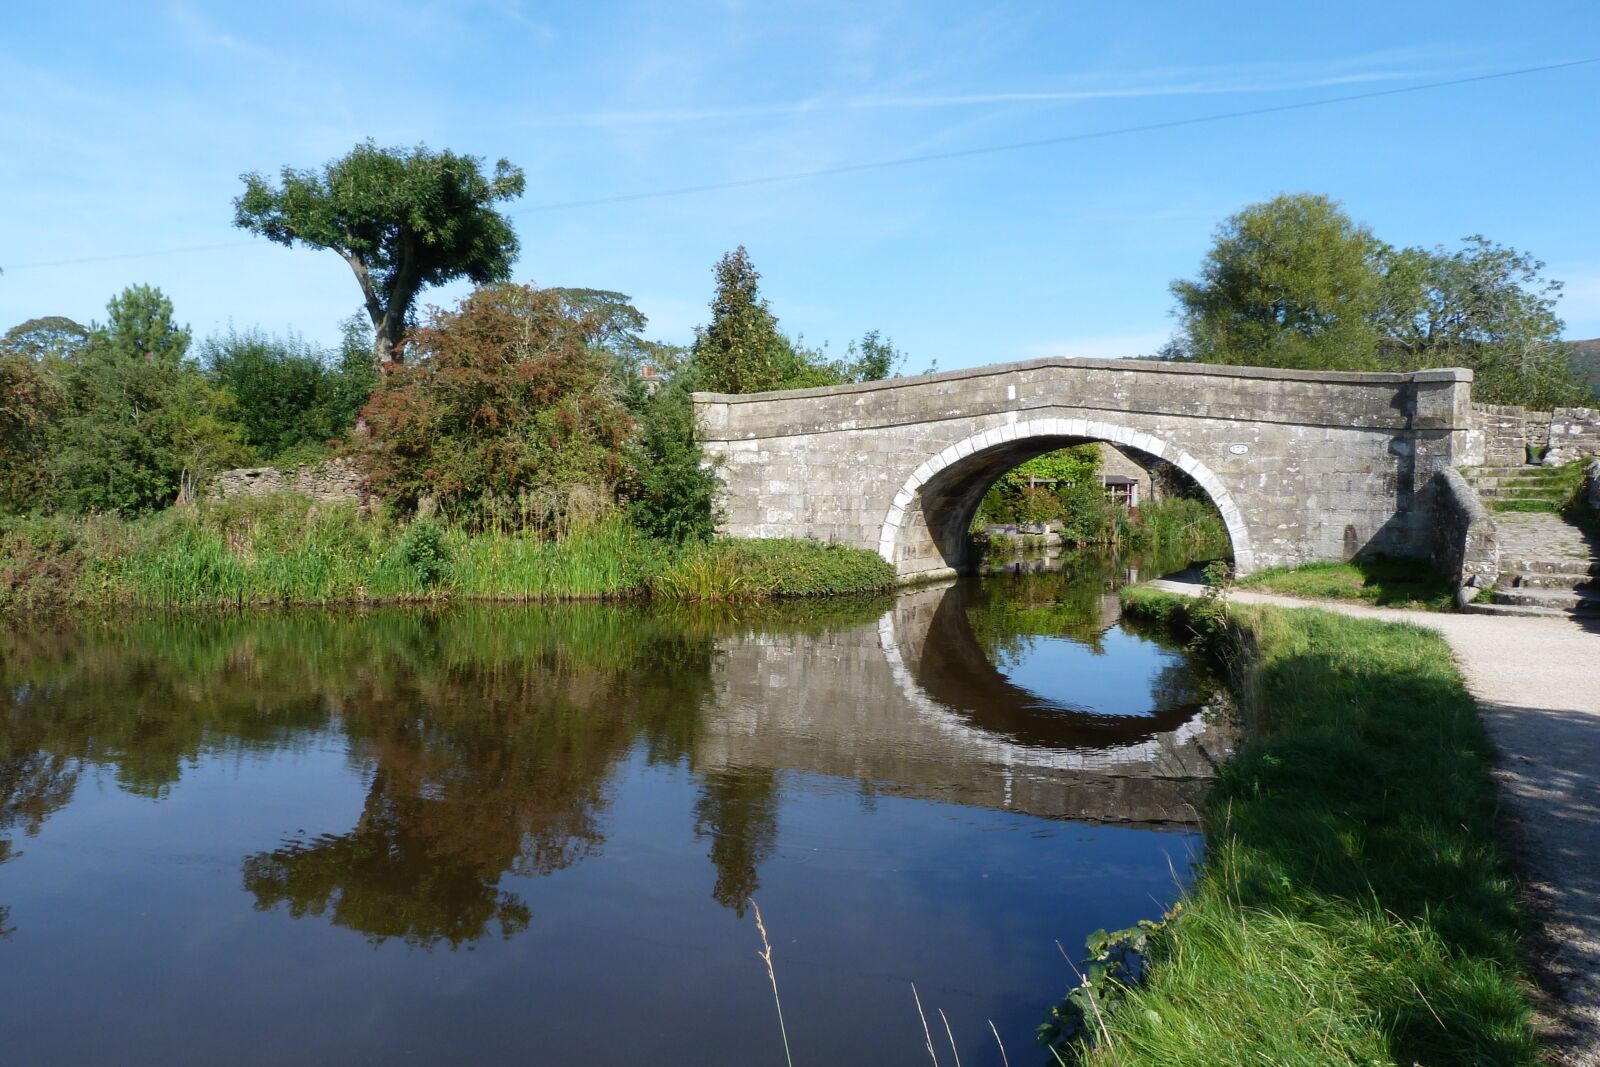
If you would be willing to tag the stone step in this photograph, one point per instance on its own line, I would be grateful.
(1525, 565)
(1507, 482)
(1536, 580)
(1554, 494)
(1475, 608)
(1577, 601)
(1497, 472)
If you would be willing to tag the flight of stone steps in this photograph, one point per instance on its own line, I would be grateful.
(1548, 566)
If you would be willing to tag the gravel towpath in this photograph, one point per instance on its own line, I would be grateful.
(1537, 681)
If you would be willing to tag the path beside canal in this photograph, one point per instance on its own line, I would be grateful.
(1537, 681)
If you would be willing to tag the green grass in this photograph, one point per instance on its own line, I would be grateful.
(287, 550)
(1377, 580)
(1353, 907)
(733, 570)
(1524, 505)
(1551, 490)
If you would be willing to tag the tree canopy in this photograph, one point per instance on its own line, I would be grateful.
(30, 404)
(1295, 282)
(508, 400)
(1484, 306)
(48, 338)
(1288, 283)
(403, 219)
(141, 416)
(741, 350)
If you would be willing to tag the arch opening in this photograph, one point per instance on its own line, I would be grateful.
(924, 533)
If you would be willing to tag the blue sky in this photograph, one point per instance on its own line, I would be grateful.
(127, 126)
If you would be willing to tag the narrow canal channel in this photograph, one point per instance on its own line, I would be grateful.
(532, 834)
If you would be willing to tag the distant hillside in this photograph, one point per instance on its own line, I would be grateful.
(1586, 361)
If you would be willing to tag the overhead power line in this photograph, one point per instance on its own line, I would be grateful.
(129, 255)
(1042, 142)
(906, 161)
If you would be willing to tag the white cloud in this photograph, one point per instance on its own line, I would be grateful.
(1215, 81)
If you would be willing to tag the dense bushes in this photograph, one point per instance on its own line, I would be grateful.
(120, 418)
(290, 399)
(504, 398)
(671, 491)
(140, 420)
(30, 404)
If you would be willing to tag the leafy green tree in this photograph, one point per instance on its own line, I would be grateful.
(1008, 500)
(142, 418)
(31, 407)
(874, 358)
(508, 398)
(402, 219)
(1483, 306)
(52, 340)
(672, 488)
(1292, 282)
(1295, 282)
(292, 398)
(741, 351)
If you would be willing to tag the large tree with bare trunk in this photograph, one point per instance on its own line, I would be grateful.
(404, 219)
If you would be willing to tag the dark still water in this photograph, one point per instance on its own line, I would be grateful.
(532, 834)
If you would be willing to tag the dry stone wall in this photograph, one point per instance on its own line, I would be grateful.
(1512, 435)
(1574, 434)
(1506, 432)
(1303, 466)
(335, 480)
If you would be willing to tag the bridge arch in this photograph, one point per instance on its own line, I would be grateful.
(937, 501)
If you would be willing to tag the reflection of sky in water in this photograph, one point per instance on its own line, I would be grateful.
(1118, 680)
(462, 836)
(131, 909)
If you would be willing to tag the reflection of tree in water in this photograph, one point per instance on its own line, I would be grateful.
(394, 876)
(489, 735)
(1008, 614)
(33, 785)
(34, 782)
(1181, 684)
(738, 809)
(479, 772)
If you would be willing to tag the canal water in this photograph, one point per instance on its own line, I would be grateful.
(534, 834)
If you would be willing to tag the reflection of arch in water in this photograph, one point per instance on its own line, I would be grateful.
(956, 672)
(935, 505)
(994, 720)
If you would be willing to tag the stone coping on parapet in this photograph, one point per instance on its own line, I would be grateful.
(1142, 366)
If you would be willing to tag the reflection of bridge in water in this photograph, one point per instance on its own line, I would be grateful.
(914, 706)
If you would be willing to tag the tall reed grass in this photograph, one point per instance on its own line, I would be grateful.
(287, 549)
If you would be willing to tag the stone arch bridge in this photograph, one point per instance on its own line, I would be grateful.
(1303, 465)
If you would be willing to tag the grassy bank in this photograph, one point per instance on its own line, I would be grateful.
(1405, 583)
(287, 550)
(1352, 907)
